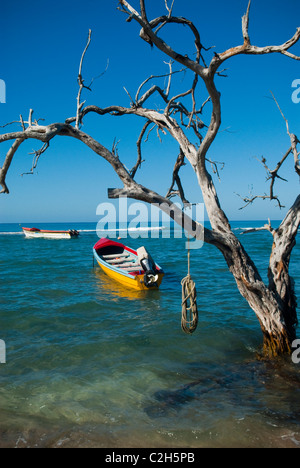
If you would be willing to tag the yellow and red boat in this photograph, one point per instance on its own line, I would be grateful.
(133, 268)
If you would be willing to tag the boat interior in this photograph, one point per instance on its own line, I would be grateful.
(118, 257)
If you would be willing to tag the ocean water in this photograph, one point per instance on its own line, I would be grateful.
(90, 364)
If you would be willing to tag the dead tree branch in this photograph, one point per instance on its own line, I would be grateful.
(81, 82)
(245, 25)
(139, 101)
(36, 158)
(266, 227)
(139, 150)
(176, 180)
(8, 160)
(273, 174)
(294, 140)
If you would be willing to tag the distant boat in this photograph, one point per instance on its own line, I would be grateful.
(38, 233)
(135, 269)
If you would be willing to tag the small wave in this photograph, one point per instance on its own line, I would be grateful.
(11, 233)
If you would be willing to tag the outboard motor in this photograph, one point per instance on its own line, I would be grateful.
(73, 233)
(149, 267)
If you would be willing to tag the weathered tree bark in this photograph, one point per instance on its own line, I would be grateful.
(280, 281)
(270, 309)
(274, 304)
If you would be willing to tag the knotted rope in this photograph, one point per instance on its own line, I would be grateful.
(189, 314)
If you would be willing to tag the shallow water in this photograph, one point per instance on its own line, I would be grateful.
(89, 364)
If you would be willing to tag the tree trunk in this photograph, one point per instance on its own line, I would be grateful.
(278, 333)
(280, 281)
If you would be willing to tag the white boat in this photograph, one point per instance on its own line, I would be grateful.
(48, 234)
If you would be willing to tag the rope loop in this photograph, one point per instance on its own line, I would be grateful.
(189, 316)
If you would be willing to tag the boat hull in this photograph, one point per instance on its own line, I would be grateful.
(33, 233)
(135, 282)
(133, 279)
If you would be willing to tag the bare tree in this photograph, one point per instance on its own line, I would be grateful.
(274, 303)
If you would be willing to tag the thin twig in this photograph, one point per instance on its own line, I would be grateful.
(81, 81)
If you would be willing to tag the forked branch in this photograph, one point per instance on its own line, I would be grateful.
(293, 138)
(266, 227)
(172, 192)
(273, 174)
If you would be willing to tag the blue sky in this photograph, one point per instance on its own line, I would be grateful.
(41, 45)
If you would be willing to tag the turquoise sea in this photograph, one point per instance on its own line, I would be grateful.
(89, 364)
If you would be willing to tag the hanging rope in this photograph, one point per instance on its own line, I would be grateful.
(189, 315)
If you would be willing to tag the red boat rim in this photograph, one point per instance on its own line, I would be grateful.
(104, 242)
